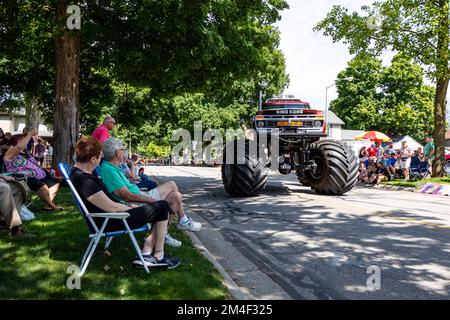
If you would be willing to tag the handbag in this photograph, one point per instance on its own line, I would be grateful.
(23, 187)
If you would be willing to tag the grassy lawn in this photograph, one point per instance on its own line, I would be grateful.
(402, 183)
(35, 268)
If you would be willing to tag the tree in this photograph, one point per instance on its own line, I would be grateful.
(417, 28)
(26, 60)
(357, 104)
(392, 99)
(170, 47)
(66, 116)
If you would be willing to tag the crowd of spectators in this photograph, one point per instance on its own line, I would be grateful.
(107, 179)
(378, 164)
(21, 161)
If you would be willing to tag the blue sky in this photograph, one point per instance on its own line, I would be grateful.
(312, 59)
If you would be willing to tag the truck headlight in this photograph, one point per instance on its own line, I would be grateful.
(260, 124)
(317, 123)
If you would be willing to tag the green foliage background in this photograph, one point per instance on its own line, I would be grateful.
(392, 99)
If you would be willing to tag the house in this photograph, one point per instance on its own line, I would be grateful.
(15, 122)
(334, 126)
(349, 135)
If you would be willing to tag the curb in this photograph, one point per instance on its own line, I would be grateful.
(391, 187)
(236, 292)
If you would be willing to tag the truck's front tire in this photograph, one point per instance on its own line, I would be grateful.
(244, 180)
(338, 168)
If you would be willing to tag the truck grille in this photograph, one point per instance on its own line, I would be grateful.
(273, 124)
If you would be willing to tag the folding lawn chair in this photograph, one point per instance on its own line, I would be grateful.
(420, 172)
(95, 233)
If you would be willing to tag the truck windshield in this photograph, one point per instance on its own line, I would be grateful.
(285, 106)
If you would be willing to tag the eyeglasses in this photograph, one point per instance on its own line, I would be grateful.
(112, 122)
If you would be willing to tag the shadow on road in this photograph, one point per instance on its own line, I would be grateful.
(303, 245)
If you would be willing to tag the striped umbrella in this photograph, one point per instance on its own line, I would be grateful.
(373, 136)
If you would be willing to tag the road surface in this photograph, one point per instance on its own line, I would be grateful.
(290, 243)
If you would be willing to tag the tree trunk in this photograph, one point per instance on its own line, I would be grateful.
(66, 113)
(32, 113)
(442, 68)
(439, 127)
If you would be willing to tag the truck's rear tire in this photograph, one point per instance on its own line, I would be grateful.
(338, 168)
(244, 180)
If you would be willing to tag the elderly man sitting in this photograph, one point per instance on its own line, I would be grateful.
(119, 185)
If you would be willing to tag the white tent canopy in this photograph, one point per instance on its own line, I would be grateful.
(412, 144)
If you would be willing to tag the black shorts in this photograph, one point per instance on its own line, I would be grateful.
(140, 216)
(36, 184)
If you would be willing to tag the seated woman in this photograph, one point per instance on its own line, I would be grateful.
(362, 177)
(38, 179)
(129, 169)
(145, 180)
(96, 197)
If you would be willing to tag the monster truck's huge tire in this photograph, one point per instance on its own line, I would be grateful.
(244, 180)
(305, 182)
(338, 168)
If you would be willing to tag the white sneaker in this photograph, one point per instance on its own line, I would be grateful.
(169, 241)
(189, 225)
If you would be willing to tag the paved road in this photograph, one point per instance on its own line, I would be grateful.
(290, 243)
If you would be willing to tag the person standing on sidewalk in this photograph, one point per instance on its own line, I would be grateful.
(405, 159)
(101, 133)
(380, 152)
(429, 151)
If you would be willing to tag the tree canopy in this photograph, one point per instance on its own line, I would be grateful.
(416, 28)
(392, 99)
(132, 54)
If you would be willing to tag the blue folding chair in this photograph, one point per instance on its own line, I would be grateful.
(95, 233)
(420, 171)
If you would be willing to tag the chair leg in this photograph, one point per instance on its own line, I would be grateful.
(94, 242)
(136, 246)
(91, 253)
(87, 252)
(108, 243)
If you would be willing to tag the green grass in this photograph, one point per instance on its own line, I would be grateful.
(402, 183)
(35, 268)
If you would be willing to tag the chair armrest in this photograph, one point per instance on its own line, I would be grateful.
(112, 215)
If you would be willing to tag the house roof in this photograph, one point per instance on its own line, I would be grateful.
(350, 134)
(334, 119)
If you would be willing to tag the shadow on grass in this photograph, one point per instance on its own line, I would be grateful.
(36, 268)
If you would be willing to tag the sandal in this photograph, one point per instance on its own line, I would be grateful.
(50, 210)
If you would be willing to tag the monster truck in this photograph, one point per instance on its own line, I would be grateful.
(328, 167)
